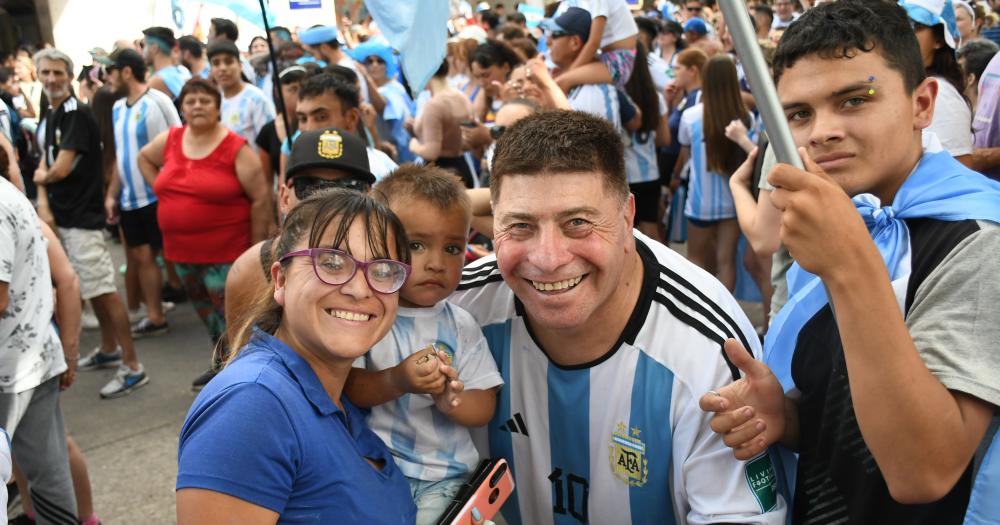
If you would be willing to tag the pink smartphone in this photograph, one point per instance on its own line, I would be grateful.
(487, 489)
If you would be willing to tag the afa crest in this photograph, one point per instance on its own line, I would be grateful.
(331, 145)
(628, 456)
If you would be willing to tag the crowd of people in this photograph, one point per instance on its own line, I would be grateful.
(399, 282)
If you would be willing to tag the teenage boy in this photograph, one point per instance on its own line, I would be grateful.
(885, 351)
(433, 376)
(245, 108)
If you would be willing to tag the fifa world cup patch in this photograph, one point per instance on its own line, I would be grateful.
(330, 145)
(628, 455)
(762, 482)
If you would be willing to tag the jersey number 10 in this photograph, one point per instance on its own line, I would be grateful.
(570, 494)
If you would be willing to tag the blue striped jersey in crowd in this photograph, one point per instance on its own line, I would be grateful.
(640, 152)
(174, 77)
(425, 443)
(247, 112)
(709, 196)
(135, 126)
(621, 439)
(597, 99)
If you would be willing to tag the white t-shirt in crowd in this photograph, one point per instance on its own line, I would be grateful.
(30, 350)
(380, 164)
(247, 112)
(619, 25)
(597, 99)
(952, 121)
(777, 23)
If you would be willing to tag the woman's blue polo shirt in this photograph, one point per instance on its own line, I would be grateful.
(265, 431)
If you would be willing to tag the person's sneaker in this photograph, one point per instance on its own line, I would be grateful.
(134, 316)
(124, 382)
(99, 359)
(146, 328)
(21, 519)
(88, 321)
(168, 306)
(173, 295)
(203, 379)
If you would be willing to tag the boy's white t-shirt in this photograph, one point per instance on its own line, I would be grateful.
(619, 25)
(246, 113)
(952, 121)
(425, 443)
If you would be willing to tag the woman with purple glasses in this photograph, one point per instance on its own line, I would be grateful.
(272, 439)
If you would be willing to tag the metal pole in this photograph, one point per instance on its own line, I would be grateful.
(761, 83)
(275, 75)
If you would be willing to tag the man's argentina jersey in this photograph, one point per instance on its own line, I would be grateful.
(622, 440)
(174, 78)
(597, 99)
(709, 197)
(134, 126)
(425, 443)
(246, 113)
(640, 153)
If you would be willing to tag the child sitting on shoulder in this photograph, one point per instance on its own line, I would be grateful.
(432, 376)
(612, 31)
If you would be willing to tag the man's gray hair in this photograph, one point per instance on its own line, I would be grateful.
(52, 53)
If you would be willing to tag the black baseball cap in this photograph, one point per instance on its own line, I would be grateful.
(129, 58)
(330, 148)
(222, 46)
(575, 21)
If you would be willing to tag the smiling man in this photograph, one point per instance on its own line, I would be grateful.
(603, 338)
(886, 350)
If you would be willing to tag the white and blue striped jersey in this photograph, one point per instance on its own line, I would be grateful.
(597, 99)
(621, 439)
(640, 153)
(426, 444)
(246, 113)
(134, 126)
(709, 197)
(174, 77)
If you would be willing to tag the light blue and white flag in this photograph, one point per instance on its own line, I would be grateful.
(419, 30)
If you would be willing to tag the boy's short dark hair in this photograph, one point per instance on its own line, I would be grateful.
(326, 83)
(439, 187)
(191, 45)
(555, 142)
(844, 28)
(226, 28)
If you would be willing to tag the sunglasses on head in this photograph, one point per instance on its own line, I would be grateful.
(306, 186)
(559, 34)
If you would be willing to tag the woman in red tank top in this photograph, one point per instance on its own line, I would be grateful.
(214, 202)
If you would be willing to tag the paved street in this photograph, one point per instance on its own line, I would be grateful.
(131, 443)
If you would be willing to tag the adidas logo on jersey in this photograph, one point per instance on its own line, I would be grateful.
(515, 425)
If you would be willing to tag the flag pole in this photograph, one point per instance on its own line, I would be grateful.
(761, 83)
(275, 76)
